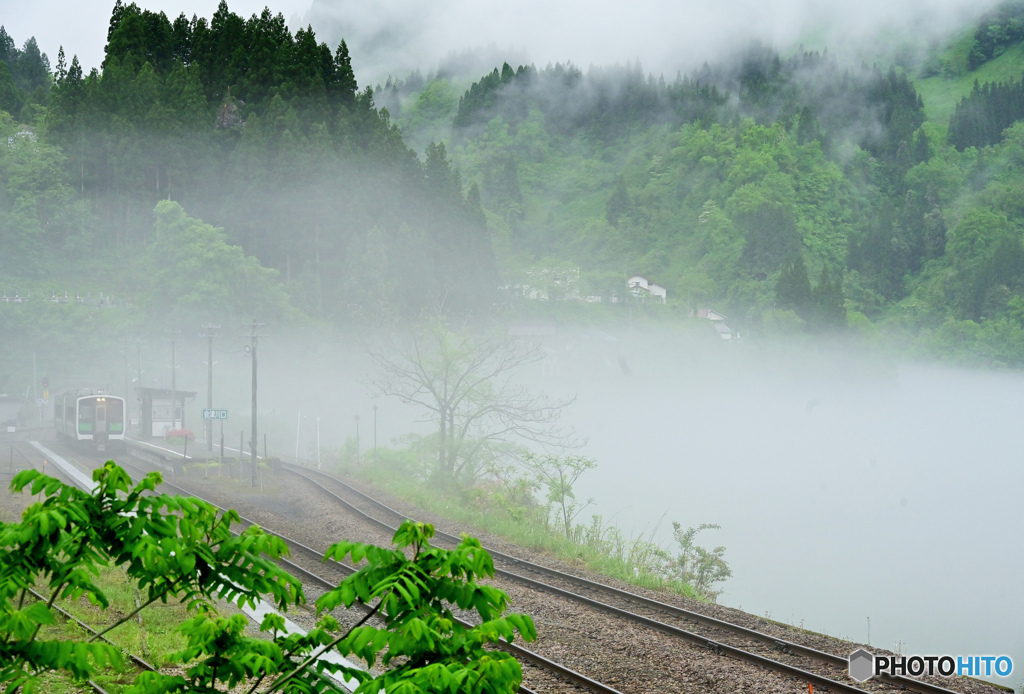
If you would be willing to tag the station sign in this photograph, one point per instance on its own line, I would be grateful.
(215, 414)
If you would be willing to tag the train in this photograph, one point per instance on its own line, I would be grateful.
(90, 417)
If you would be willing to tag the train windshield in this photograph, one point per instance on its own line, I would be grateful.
(115, 417)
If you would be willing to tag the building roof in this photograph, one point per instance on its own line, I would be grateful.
(165, 393)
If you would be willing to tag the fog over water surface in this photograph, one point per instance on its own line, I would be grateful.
(843, 492)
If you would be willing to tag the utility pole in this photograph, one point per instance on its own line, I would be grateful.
(255, 448)
(127, 373)
(35, 395)
(138, 383)
(316, 267)
(208, 424)
(127, 417)
(174, 383)
(374, 434)
(357, 439)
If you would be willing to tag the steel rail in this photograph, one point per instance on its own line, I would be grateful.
(716, 647)
(777, 643)
(523, 653)
(67, 615)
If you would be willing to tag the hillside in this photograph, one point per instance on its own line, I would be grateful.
(942, 92)
(716, 185)
(217, 169)
(793, 192)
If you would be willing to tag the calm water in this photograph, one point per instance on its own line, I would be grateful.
(844, 492)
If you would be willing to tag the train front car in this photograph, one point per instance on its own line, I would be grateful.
(90, 416)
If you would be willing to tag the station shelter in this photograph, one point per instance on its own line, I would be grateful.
(156, 403)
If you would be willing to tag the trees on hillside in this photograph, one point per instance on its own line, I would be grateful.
(262, 132)
(466, 384)
(24, 76)
(190, 266)
(822, 307)
(181, 548)
(981, 117)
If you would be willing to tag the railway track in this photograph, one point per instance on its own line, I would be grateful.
(30, 457)
(719, 637)
(77, 478)
(550, 673)
(814, 666)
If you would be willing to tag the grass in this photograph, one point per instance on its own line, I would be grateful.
(609, 553)
(941, 94)
(151, 635)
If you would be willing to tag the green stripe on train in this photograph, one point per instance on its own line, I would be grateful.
(84, 428)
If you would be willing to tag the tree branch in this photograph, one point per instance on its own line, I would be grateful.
(323, 649)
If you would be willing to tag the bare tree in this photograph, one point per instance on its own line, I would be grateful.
(465, 383)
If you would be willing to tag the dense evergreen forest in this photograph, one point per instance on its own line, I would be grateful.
(257, 131)
(796, 193)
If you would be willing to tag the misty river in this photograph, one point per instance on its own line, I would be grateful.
(851, 496)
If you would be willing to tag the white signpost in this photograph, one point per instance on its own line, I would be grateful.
(215, 414)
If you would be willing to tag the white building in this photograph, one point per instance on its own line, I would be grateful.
(718, 321)
(643, 289)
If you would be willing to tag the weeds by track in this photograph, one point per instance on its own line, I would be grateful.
(723, 638)
(540, 666)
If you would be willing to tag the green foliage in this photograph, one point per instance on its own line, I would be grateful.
(504, 504)
(822, 308)
(41, 222)
(177, 547)
(708, 184)
(168, 545)
(996, 30)
(192, 267)
(696, 565)
(558, 474)
(793, 288)
(262, 133)
(982, 116)
(436, 652)
(24, 75)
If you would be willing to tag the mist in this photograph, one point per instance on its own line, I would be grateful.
(861, 496)
(850, 484)
(395, 37)
(851, 487)
(848, 489)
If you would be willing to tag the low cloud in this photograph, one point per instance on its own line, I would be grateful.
(395, 36)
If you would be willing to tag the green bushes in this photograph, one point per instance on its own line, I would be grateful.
(505, 503)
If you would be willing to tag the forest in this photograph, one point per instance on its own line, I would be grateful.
(232, 166)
